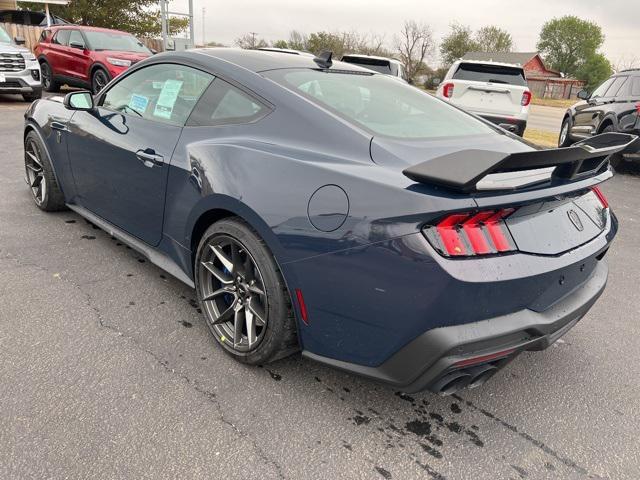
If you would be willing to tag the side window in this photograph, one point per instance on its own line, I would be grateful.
(635, 87)
(44, 35)
(612, 91)
(76, 37)
(224, 104)
(164, 93)
(62, 37)
(599, 92)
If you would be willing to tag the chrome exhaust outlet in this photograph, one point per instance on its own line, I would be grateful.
(452, 382)
(480, 374)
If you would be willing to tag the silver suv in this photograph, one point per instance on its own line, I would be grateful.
(19, 69)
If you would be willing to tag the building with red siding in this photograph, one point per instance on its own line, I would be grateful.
(543, 82)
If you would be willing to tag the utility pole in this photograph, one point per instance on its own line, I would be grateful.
(204, 41)
(163, 25)
(192, 29)
(253, 39)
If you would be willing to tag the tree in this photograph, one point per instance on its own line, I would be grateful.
(280, 44)
(457, 43)
(139, 17)
(298, 41)
(493, 39)
(414, 44)
(568, 42)
(250, 41)
(319, 41)
(595, 70)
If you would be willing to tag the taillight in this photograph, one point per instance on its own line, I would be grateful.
(526, 98)
(471, 234)
(601, 197)
(447, 90)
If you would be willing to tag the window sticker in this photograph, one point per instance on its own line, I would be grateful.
(138, 103)
(167, 98)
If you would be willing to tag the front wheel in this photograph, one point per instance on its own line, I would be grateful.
(99, 80)
(564, 139)
(243, 295)
(48, 83)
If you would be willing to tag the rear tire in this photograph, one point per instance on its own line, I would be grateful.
(242, 294)
(564, 139)
(48, 83)
(39, 174)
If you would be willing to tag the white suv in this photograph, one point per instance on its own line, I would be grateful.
(19, 69)
(388, 66)
(495, 91)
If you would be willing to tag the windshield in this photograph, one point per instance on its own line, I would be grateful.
(4, 36)
(381, 104)
(115, 41)
(490, 73)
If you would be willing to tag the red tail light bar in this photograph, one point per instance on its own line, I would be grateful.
(472, 233)
(601, 197)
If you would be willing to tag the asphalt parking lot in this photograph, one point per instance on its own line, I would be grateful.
(108, 371)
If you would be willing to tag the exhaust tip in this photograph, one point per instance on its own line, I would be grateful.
(451, 383)
(480, 375)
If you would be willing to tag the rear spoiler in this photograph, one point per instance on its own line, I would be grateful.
(473, 170)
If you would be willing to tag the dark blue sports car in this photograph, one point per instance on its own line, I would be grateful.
(319, 206)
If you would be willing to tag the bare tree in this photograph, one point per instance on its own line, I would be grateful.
(414, 44)
(250, 41)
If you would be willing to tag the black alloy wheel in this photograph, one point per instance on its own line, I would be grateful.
(99, 80)
(242, 294)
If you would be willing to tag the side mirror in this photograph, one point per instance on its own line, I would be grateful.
(79, 101)
(78, 45)
(19, 40)
(584, 95)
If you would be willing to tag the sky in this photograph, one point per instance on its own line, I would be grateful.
(226, 20)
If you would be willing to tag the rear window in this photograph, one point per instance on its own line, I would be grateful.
(375, 64)
(380, 104)
(480, 72)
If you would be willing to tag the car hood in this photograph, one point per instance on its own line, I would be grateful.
(11, 48)
(133, 56)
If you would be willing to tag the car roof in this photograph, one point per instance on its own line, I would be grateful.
(359, 55)
(489, 62)
(85, 28)
(260, 60)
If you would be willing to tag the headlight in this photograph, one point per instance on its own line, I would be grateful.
(119, 62)
(29, 56)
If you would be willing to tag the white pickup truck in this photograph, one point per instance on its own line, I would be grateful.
(495, 91)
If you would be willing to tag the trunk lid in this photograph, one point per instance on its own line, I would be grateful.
(488, 98)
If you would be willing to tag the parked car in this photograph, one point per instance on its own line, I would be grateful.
(497, 92)
(19, 69)
(86, 57)
(285, 50)
(612, 107)
(348, 215)
(30, 17)
(386, 66)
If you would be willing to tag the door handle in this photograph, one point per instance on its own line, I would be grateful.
(150, 159)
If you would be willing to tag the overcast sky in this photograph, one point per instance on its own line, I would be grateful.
(225, 20)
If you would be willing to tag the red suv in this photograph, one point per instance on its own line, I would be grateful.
(86, 57)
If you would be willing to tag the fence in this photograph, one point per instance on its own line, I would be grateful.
(555, 87)
(31, 34)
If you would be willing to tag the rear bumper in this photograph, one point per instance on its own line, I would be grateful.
(512, 124)
(476, 350)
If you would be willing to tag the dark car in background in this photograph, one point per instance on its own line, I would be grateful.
(323, 207)
(30, 17)
(86, 57)
(612, 107)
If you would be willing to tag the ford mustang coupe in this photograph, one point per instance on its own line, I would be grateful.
(319, 206)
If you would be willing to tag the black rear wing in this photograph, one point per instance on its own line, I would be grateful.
(473, 170)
